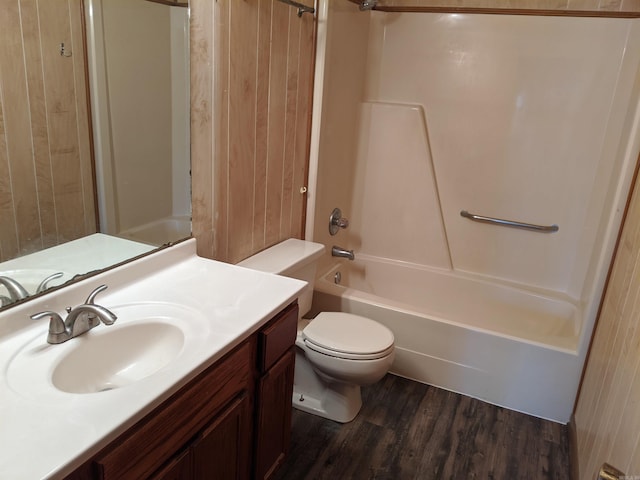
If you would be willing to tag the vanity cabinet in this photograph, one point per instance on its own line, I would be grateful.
(276, 358)
(231, 422)
(219, 451)
(213, 411)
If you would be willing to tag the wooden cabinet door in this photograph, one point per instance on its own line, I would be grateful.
(177, 469)
(273, 421)
(223, 450)
(171, 427)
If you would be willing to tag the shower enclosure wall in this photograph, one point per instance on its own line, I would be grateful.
(139, 77)
(420, 116)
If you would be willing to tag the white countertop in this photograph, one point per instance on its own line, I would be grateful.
(46, 433)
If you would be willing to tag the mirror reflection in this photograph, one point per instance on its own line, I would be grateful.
(94, 146)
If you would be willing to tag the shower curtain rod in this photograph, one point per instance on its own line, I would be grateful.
(301, 8)
(379, 5)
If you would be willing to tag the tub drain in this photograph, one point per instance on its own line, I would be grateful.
(337, 278)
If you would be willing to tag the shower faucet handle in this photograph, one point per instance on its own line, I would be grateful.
(337, 221)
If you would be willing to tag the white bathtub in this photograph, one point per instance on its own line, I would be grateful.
(160, 231)
(488, 340)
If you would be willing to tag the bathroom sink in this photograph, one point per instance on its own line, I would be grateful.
(115, 358)
(146, 339)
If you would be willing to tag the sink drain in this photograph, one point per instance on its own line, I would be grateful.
(106, 387)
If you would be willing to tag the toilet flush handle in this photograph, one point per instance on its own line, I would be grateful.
(336, 221)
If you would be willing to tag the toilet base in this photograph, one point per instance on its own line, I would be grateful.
(315, 394)
(340, 403)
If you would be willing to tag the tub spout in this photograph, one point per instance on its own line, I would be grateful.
(342, 252)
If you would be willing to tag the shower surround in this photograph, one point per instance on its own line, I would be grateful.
(526, 118)
(141, 127)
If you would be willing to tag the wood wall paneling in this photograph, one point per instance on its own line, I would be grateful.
(262, 122)
(220, 224)
(202, 97)
(291, 110)
(40, 131)
(607, 417)
(277, 116)
(259, 113)
(18, 130)
(62, 120)
(8, 230)
(243, 49)
(46, 192)
(306, 68)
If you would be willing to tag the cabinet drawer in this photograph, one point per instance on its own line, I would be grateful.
(161, 434)
(277, 337)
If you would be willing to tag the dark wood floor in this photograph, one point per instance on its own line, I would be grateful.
(407, 430)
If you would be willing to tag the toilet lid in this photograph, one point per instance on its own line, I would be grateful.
(347, 333)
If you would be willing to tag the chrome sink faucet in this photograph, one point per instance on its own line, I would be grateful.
(16, 291)
(79, 320)
(342, 252)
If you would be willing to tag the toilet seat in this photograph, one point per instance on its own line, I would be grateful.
(348, 336)
(345, 355)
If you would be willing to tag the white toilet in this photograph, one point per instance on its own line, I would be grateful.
(337, 352)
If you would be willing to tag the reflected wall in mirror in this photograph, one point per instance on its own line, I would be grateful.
(54, 199)
(46, 177)
(139, 71)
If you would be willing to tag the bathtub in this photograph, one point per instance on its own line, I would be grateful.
(485, 339)
(160, 232)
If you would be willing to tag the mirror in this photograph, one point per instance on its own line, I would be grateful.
(83, 188)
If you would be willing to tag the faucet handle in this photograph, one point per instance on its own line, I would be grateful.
(56, 324)
(92, 295)
(44, 284)
(337, 221)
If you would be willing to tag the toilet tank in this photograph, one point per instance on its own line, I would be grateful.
(292, 258)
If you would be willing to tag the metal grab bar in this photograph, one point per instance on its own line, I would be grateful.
(301, 8)
(510, 223)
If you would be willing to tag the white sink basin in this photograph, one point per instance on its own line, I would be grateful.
(115, 358)
(147, 338)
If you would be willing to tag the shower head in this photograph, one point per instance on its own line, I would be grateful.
(368, 4)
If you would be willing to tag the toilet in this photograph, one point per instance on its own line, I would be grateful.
(336, 352)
